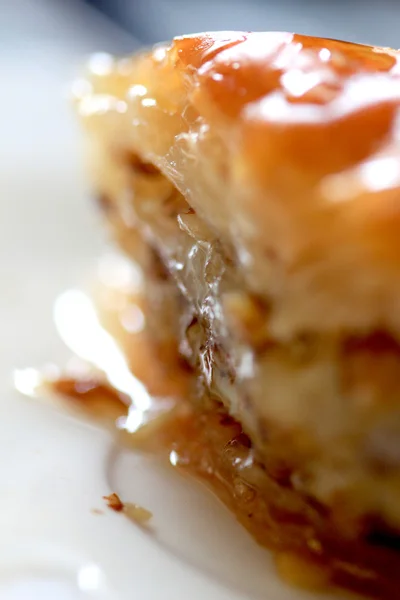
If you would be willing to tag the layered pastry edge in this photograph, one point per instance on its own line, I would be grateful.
(281, 292)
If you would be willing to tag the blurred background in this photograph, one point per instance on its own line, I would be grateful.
(370, 21)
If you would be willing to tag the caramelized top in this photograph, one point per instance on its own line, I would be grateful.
(288, 146)
(318, 105)
(296, 88)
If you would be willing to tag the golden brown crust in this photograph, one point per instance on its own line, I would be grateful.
(276, 215)
(288, 94)
(312, 126)
(288, 147)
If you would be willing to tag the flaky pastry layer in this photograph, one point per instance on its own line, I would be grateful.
(256, 178)
(287, 146)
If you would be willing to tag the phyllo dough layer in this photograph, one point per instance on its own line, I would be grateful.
(256, 179)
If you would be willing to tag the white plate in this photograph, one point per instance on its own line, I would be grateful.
(54, 469)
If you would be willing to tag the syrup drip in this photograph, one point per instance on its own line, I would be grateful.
(149, 404)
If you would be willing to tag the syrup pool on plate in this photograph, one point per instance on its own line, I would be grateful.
(118, 377)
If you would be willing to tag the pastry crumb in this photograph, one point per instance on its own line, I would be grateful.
(133, 511)
(137, 513)
(114, 502)
(96, 511)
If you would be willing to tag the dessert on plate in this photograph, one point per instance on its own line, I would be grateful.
(255, 179)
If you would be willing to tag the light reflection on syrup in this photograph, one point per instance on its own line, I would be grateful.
(207, 444)
(103, 330)
(32, 382)
(80, 329)
(103, 373)
(27, 381)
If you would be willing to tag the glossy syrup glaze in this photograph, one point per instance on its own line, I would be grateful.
(304, 70)
(287, 146)
(281, 78)
(201, 440)
(273, 83)
(295, 93)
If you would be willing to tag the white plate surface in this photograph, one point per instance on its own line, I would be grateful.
(54, 469)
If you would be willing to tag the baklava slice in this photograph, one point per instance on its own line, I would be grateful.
(255, 177)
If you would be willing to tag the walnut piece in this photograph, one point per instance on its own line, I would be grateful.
(114, 502)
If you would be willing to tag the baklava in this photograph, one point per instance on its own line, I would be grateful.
(255, 178)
